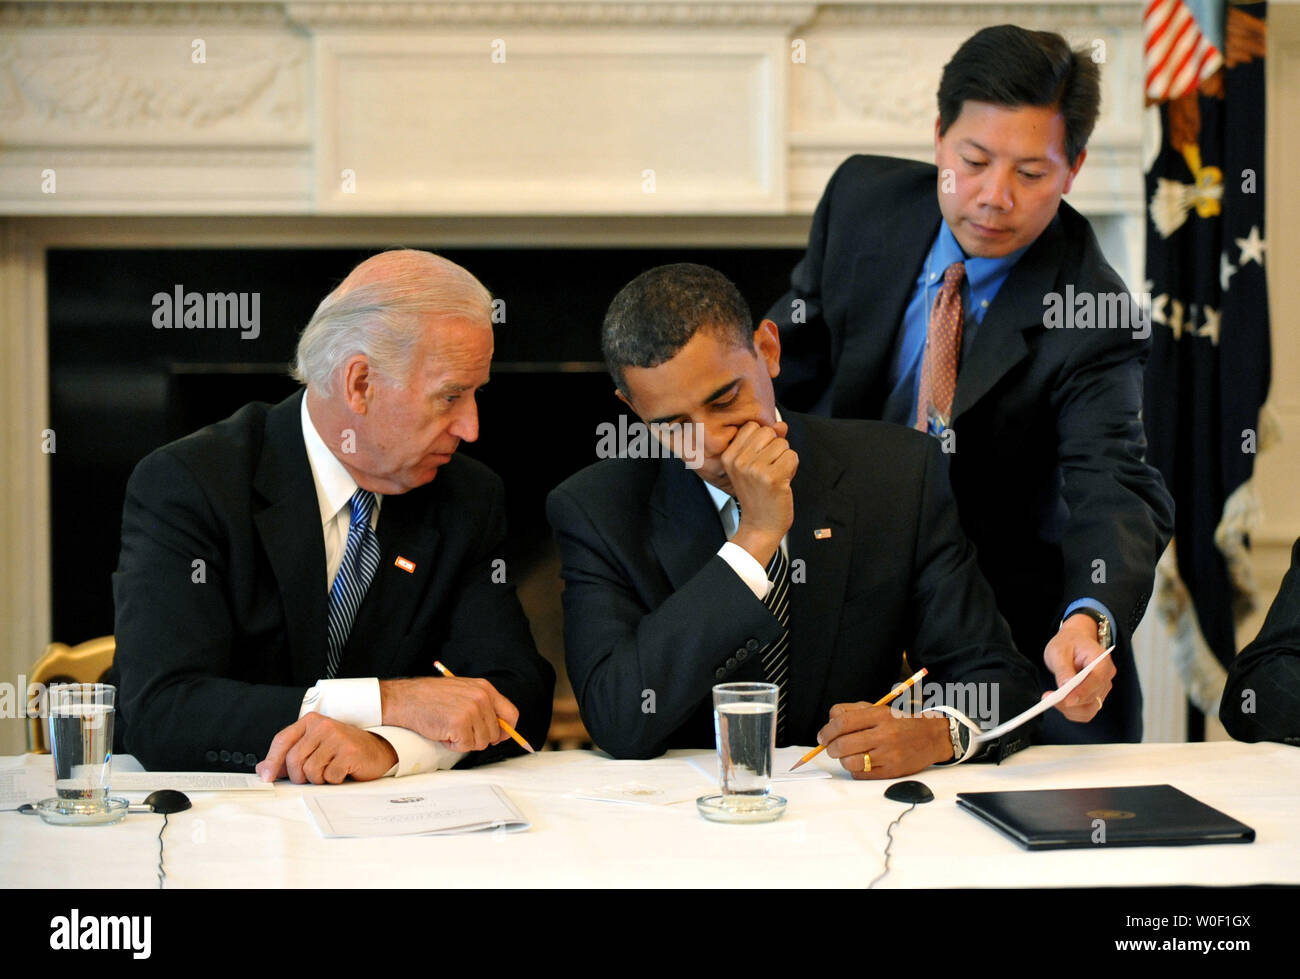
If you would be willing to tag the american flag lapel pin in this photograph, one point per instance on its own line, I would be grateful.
(822, 533)
(406, 565)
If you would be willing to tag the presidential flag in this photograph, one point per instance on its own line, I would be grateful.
(1208, 372)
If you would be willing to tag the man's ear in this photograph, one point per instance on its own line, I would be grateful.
(357, 386)
(623, 398)
(767, 343)
(1074, 171)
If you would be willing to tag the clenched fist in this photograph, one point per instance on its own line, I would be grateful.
(760, 464)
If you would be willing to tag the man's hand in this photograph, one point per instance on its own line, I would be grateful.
(760, 464)
(461, 712)
(896, 745)
(1071, 649)
(319, 749)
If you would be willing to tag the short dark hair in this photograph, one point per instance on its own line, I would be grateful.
(658, 312)
(1010, 66)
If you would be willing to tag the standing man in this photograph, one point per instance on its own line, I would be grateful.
(282, 569)
(799, 551)
(933, 297)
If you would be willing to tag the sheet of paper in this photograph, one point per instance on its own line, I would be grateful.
(189, 782)
(1045, 704)
(24, 783)
(398, 812)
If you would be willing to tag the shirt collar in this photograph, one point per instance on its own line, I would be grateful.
(983, 275)
(720, 499)
(334, 486)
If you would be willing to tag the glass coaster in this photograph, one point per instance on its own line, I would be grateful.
(70, 812)
(741, 809)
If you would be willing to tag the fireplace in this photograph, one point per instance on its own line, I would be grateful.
(124, 380)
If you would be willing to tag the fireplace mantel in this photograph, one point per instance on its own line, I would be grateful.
(530, 107)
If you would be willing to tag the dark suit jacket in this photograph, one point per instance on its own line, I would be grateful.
(1269, 668)
(653, 618)
(214, 668)
(1049, 470)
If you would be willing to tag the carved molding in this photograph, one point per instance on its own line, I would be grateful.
(519, 13)
(139, 14)
(549, 12)
(880, 86)
(308, 13)
(873, 84)
(53, 88)
(1039, 16)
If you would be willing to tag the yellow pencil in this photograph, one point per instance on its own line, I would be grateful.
(500, 720)
(879, 703)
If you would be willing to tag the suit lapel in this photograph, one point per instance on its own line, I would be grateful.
(999, 343)
(884, 275)
(817, 585)
(408, 530)
(288, 523)
(684, 527)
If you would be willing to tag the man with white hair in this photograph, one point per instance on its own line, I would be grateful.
(289, 575)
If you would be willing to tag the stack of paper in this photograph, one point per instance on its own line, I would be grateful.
(432, 812)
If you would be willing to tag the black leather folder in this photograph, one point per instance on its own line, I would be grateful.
(1125, 815)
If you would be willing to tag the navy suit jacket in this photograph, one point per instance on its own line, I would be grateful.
(653, 617)
(1049, 467)
(211, 670)
(1261, 701)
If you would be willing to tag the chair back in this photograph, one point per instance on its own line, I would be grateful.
(86, 662)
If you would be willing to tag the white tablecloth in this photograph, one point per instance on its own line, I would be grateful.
(832, 835)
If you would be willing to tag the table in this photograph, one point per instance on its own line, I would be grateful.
(833, 834)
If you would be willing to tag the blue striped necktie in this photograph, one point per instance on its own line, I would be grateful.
(360, 562)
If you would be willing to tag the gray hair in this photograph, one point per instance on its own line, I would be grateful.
(377, 311)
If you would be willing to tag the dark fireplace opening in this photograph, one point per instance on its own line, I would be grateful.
(120, 385)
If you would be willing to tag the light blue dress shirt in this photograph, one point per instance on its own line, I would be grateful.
(984, 276)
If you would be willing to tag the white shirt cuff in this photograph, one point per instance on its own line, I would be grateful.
(747, 566)
(352, 700)
(415, 753)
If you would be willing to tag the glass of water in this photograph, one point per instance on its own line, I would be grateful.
(81, 741)
(744, 722)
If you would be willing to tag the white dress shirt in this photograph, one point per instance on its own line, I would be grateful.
(742, 562)
(356, 700)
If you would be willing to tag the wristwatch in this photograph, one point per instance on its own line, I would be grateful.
(960, 736)
(1104, 632)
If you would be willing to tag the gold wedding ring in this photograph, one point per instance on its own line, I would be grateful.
(866, 762)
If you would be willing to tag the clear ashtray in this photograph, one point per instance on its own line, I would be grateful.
(81, 812)
(741, 808)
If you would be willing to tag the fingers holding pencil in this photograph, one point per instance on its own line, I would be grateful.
(505, 725)
(840, 708)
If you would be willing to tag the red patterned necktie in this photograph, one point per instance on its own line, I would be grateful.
(942, 351)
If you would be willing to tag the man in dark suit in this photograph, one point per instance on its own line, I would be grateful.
(1261, 701)
(794, 550)
(986, 315)
(310, 541)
